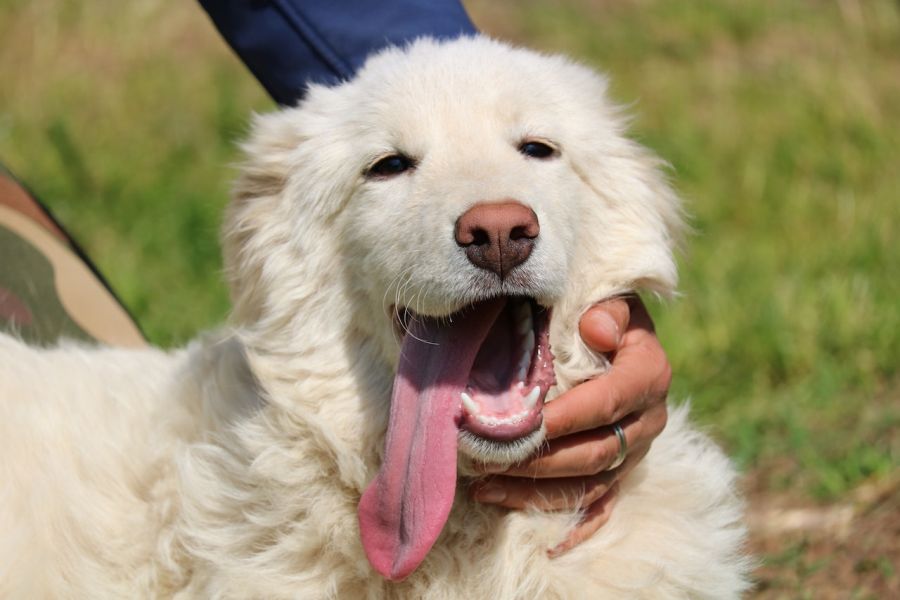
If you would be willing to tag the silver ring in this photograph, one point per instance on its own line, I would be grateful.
(623, 447)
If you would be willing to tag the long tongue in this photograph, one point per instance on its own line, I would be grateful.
(404, 509)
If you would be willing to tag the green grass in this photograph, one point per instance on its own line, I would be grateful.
(781, 120)
(123, 118)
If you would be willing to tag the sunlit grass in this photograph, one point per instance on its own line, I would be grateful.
(123, 118)
(781, 120)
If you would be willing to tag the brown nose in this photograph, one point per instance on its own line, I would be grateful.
(497, 236)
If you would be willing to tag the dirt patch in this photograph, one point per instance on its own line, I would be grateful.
(845, 550)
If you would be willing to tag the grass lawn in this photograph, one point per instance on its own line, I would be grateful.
(781, 119)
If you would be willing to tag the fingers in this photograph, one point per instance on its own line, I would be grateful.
(639, 376)
(544, 494)
(579, 454)
(591, 452)
(595, 517)
(585, 453)
(604, 324)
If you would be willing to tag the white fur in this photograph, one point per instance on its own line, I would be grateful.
(233, 468)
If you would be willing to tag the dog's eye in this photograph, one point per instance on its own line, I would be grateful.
(390, 165)
(536, 150)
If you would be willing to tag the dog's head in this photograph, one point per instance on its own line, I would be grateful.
(462, 192)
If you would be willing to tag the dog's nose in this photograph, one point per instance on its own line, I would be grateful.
(497, 236)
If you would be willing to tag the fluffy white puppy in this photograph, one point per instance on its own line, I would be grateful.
(404, 251)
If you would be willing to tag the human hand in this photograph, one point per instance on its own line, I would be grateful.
(573, 467)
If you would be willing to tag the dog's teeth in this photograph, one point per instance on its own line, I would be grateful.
(525, 360)
(523, 318)
(469, 403)
(525, 323)
(522, 370)
(531, 399)
(523, 308)
(528, 346)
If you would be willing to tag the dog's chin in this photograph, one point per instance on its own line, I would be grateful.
(476, 451)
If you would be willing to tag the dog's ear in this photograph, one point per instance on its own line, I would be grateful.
(251, 227)
(635, 234)
(297, 172)
(270, 154)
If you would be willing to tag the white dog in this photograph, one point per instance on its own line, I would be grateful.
(395, 247)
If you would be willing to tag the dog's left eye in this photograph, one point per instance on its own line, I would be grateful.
(536, 150)
(390, 165)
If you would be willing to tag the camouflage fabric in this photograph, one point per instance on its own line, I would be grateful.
(48, 289)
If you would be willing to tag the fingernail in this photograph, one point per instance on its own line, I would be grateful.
(490, 493)
(557, 550)
(604, 321)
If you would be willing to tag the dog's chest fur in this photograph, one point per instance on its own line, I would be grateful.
(281, 519)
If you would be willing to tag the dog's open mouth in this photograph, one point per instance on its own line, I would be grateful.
(479, 378)
(502, 398)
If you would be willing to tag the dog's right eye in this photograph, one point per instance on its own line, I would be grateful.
(390, 165)
(537, 149)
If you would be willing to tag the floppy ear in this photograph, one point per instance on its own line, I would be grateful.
(270, 154)
(634, 237)
(298, 171)
(255, 220)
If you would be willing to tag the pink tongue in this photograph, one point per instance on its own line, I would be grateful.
(405, 507)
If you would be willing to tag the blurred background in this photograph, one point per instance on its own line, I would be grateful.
(780, 118)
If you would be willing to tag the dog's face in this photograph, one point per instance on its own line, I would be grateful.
(464, 192)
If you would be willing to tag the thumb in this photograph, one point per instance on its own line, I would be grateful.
(603, 325)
